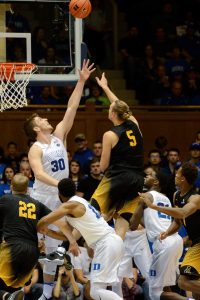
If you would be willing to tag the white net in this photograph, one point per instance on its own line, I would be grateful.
(14, 78)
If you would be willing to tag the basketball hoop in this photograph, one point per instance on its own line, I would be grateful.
(14, 78)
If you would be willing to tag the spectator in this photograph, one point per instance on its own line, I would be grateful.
(83, 154)
(5, 186)
(11, 153)
(175, 95)
(177, 66)
(161, 43)
(195, 159)
(146, 73)
(19, 53)
(172, 160)
(190, 43)
(45, 97)
(66, 287)
(154, 158)
(34, 290)
(75, 172)
(97, 149)
(88, 185)
(50, 59)
(192, 83)
(61, 42)
(168, 19)
(161, 144)
(25, 169)
(96, 96)
(130, 48)
(2, 162)
(159, 86)
(23, 157)
(39, 43)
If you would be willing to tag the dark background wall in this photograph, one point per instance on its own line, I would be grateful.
(178, 127)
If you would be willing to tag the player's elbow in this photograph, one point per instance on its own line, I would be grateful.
(103, 167)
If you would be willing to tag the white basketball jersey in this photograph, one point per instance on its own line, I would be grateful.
(54, 162)
(156, 222)
(91, 225)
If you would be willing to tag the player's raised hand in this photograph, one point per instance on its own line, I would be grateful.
(102, 82)
(86, 70)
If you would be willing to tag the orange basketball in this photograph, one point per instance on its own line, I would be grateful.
(80, 8)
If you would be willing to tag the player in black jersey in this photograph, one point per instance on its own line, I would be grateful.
(122, 162)
(19, 250)
(186, 212)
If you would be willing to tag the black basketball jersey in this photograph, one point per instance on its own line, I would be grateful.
(192, 222)
(128, 152)
(20, 215)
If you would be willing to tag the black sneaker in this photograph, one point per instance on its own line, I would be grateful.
(56, 257)
(18, 295)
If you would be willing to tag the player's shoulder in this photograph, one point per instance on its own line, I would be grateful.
(195, 198)
(35, 148)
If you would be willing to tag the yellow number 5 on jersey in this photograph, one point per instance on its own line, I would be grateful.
(131, 137)
(27, 210)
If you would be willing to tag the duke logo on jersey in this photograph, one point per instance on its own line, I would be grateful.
(96, 267)
(152, 273)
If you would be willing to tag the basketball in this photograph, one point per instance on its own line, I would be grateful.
(80, 8)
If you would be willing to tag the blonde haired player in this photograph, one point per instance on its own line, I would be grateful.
(49, 161)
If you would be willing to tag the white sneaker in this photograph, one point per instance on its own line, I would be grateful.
(56, 256)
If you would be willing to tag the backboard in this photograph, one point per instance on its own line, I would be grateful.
(42, 32)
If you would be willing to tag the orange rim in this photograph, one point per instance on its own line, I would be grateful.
(11, 68)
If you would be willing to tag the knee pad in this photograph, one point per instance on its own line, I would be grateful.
(155, 293)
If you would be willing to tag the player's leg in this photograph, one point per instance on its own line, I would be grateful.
(190, 271)
(50, 263)
(188, 284)
(124, 216)
(121, 226)
(98, 291)
(105, 265)
(51, 246)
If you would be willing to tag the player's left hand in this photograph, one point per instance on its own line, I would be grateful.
(86, 70)
(145, 198)
(74, 249)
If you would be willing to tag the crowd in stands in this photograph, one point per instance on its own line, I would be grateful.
(159, 52)
(73, 277)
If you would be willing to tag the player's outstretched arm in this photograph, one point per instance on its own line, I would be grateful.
(63, 128)
(178, 213)
(103, 83)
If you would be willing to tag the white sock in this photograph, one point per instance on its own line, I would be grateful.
(48, 289)
(117, 288)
